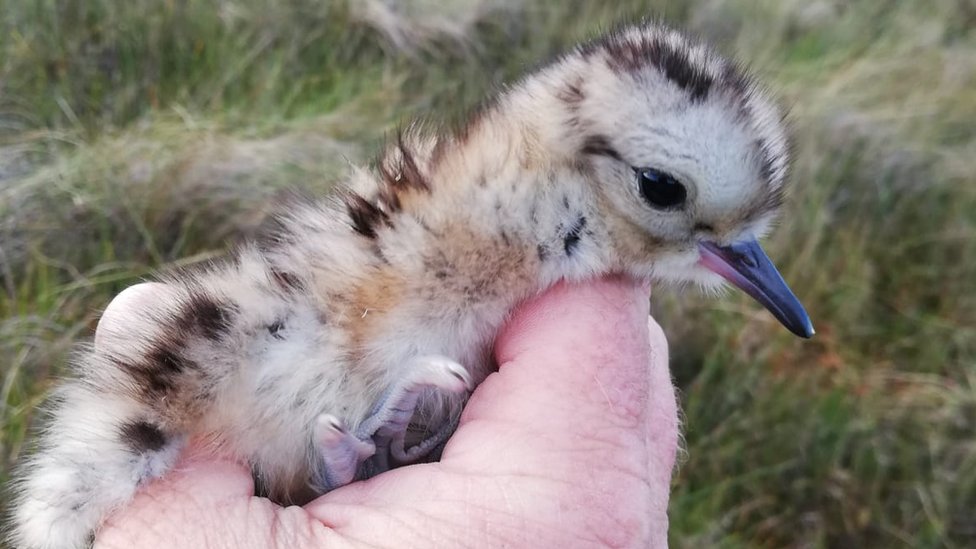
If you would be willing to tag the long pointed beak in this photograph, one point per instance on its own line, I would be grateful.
(748, 268)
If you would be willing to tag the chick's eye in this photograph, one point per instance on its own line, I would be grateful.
(660, 189)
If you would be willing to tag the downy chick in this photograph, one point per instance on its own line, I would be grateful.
(346, 342)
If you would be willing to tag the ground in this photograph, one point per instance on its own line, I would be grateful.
(148, 134)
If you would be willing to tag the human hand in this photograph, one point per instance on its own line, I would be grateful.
(570, 444)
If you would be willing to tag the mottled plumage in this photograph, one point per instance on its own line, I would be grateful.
(285, 353)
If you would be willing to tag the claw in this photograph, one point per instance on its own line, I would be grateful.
(342, 453)
(441, 372)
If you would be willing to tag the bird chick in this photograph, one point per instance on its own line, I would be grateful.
(346, 342)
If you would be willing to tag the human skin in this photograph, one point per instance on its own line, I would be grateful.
(570, 444)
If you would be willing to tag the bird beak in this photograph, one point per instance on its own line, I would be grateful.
(748, 268)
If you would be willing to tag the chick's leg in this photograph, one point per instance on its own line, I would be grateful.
(342, 453)
(381, 435)
(388, 424)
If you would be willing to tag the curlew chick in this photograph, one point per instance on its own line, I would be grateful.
(346, 342)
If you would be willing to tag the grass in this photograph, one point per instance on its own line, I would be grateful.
(139, 135)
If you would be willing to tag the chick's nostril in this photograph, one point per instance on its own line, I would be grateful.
(747, 260)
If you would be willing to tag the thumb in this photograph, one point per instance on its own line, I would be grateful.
(583, 395)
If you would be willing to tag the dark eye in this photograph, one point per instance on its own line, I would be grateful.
(660, 189)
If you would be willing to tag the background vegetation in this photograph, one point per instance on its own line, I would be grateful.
(141, 134)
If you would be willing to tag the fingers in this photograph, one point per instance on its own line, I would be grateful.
(207, 502)
(180, 509)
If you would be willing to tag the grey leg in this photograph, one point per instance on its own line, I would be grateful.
(381, 435)
(341, 452)
(391, 416)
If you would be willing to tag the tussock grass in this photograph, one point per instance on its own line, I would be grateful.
(139, 135)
